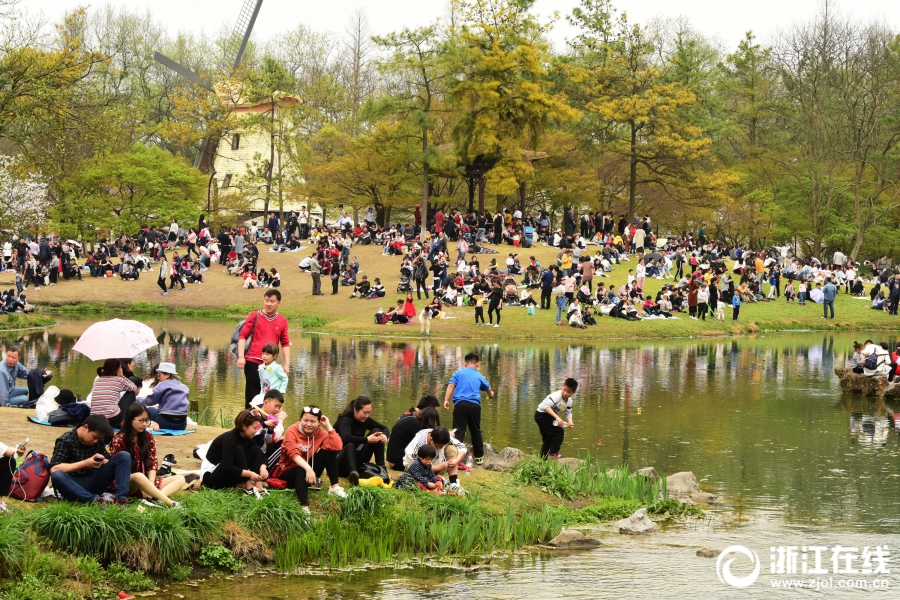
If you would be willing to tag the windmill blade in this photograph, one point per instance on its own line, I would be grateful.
(182, 70)
(240, 35)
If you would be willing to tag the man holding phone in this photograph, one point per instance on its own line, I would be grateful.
(8, 465)
(81, 468)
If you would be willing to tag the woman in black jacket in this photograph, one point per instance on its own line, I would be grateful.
(237, 459)
(363, 438)
(408, 425)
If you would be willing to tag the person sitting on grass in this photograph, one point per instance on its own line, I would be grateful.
(420, 474)
(135, 440)
(269, 437)
(377, 290)
(168, 400)
(233, 459)
(362, 288)
(81, 469)
(549, 418)
(8, 466)
(311, 446)
(449, 454)
(363, 438)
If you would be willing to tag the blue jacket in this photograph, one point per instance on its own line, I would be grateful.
(829, 291)
(8, 378)
(171, 396)
(736, 300)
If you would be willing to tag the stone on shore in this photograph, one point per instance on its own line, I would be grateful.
(569, 538)
(682, 484)
(707, 553)
(636, 524)
(648, 473)
(501, 460)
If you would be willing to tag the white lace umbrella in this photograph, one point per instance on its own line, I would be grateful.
(115, 339)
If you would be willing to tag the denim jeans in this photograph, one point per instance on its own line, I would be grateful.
(18, 396)
(163, 423)
(86, 488)
(561, 303)
(825, 306)
(479, 236)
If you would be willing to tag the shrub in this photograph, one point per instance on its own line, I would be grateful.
(218, 557)
(179, 572)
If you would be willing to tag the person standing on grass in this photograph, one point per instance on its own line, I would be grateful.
(549, 418)
(465, 388)
(263, 327)
(829, 293)
(736, 306)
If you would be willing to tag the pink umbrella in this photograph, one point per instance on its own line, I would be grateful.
(115, 339)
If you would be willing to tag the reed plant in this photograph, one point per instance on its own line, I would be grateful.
(12, 544)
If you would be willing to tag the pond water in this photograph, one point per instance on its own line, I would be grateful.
(761, 422)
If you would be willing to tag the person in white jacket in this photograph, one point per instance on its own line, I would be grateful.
(450, 452)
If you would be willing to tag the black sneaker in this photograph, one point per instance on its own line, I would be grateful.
(354, 478)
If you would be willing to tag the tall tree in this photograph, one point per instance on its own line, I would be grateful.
(501, 90)
(641, 117)
(417, 74)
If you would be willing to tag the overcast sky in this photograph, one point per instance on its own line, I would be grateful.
(725, 20)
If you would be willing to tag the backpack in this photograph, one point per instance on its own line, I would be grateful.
(31, 478)
(871, 362)
(368, 470)
(236, 335)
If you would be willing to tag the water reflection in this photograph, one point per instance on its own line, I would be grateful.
(762, 420)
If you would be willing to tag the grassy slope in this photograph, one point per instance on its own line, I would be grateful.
(222, 295)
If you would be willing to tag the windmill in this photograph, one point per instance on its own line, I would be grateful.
(231, 60)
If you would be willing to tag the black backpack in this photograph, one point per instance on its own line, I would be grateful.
(871, 362)
(368, 470)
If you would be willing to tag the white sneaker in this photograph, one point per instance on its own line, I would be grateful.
(457, 489)
(337, 491)
(497, 325)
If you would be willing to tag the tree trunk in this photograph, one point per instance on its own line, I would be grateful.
(271, 163)
(471, 184)
(632, 174)
(522, 198)
(426, 189)
(481, 183)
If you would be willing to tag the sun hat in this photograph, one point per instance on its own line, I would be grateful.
(167, 367)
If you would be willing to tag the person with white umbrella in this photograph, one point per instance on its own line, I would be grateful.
(108, 388)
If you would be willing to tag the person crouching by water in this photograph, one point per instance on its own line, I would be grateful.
(549, 418)
(135, 440)
(234, 459)
(311, 447)
(363, 438)
(168, 400)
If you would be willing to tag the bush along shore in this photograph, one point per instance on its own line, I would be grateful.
(22, 322)
(62, 550)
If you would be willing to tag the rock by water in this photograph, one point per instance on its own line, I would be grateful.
(636, 524)
(569, 538)
(857, 383)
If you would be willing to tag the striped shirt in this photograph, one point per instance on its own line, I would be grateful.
(106, 393)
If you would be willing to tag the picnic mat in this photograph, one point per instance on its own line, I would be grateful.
(37, 421)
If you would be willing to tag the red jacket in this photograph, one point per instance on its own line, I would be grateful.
(297, 443)
(268, 330)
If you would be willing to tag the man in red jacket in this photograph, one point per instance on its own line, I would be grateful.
(263, 327)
